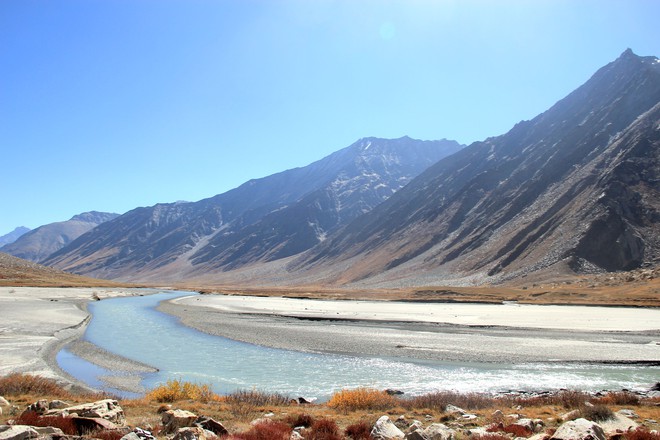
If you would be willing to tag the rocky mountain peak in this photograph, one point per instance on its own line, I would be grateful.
(94, 217)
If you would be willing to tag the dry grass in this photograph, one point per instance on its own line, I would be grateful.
(362, 399)
(439, 400)
(571, 289)
(324, 422)
(266, 430)
(20, 384)
(245, 403)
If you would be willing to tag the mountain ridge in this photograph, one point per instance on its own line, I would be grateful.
(148, 240)
(454, 204)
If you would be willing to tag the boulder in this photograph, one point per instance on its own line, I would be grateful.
(526, 423)
(191, 433)
(435, 431)
(451, 409)
(417, 434)
(3, 401)
(211, 425)
(579, 429)
(107, 409)
(174, 419)
(138, 434)
(384, 429)
(571, 415)
(89, 424)
(17, 432)
(48, 430)
(415, 425)
(39, 407)
(57, 404)
(619, 424)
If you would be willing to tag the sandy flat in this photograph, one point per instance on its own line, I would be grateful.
(36, 322)
(430, 331)
(504, 315)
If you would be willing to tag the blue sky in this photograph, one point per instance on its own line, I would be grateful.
(114, 104)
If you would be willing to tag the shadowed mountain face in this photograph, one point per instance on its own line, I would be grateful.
(262, 220)
(577, 187)
(41, 242)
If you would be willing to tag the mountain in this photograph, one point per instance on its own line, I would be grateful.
(13, 235)
(576, 189)
(39, 243)
(18, 272)
(262, 220)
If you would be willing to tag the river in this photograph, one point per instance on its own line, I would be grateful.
(132, 327)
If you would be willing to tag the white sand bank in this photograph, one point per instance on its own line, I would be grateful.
(430, 331)
(583, 318)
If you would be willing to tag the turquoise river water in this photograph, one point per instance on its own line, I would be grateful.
(132, 328)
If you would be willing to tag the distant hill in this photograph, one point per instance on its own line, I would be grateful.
(13, 235)
(17, 272)
(262, 220)
(574, 190)
(39, 243)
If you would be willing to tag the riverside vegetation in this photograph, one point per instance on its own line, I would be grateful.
(181, 410)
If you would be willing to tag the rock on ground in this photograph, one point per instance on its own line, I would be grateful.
(385, 429)
(17, 432)
(579, 429)
(107, 409)
(174, 419)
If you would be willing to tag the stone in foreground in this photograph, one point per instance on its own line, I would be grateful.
(579, 429)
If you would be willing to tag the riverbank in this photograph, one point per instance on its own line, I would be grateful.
(508, 333)
(37, 322)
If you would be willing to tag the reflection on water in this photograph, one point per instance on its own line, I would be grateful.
(131, 327)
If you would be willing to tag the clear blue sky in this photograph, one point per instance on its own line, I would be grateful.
(109, 105)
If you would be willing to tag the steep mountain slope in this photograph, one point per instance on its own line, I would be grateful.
(263, 219)
(13, 235)
(577, 187)
(39, 243)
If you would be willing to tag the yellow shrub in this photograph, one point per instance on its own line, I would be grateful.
(176, 389)
(362, 398)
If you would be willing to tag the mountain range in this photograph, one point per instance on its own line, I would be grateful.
(39, 243)
(262, 220)
(574, 190)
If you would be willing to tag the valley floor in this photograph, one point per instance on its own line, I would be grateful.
(37, 322)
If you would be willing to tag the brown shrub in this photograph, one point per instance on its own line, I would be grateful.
(243, 403)
(362, 399)
(66, 424)
(304, 420)
(176, 389)
(323, 429)
(19, 384)
(359, 431)
(641, 433)
(617, 398)
(570, 399)
(265, 431)
(596, 413)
